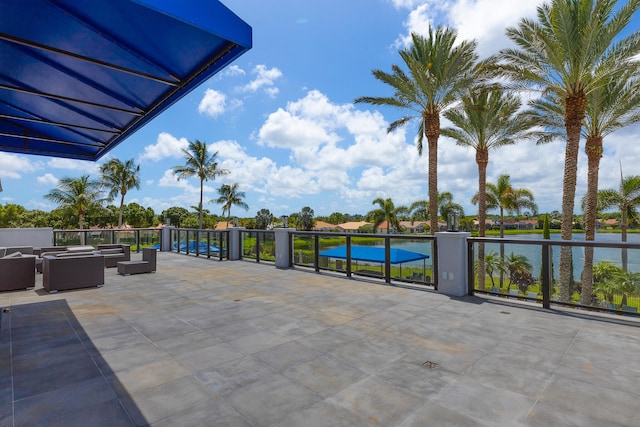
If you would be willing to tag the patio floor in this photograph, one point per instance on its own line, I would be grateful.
(208, 343)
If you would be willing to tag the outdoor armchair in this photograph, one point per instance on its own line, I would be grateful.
(17, 272)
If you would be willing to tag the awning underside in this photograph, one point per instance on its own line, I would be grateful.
(77, 78)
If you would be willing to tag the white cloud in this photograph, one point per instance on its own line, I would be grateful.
(233, 70)
(213, 103)
(13, 165)
(72, 164)
(167, 145)
(264, 79)
(47, 179)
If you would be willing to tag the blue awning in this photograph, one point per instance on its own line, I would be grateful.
(79, 77)
(373, 254)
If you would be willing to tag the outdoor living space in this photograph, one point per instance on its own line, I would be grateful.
(207, 343)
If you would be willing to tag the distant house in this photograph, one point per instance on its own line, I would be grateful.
(525, 224)
(324, 226)
(415, 226)
(611, 222)
(223, 225)
(352, 227)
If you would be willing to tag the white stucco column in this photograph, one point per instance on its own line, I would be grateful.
(452, 263)
(165, 238)
(282, 247)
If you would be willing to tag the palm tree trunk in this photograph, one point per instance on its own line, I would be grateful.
(574, 114)
(432, 132)
(501, 247)
(623, 227)
(482, 158)
(120, 217)
(594, 153)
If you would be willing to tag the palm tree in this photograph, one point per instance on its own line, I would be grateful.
(386, 212)
(198, 162)
(439, 68)
(77, 195)
(570, 51)
(230, 196)
(504, 197)
(486, 120)
(627, 199)
(120, 177)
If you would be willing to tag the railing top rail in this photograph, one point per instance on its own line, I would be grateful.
(371, 235)
(209, 230)
(538, 242)
(94, 230)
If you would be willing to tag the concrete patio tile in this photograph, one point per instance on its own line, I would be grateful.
(213, 412)
(489, 405)
(379, 403)
(107, 414)
(134, 379)
(270, 400)
(433, 414)
(157, 403)
(207, 357)
(326, 340)
(6, 414)
(286, 325)
(366, 356)
(324, 414)
(286, 355)
(326, 375)
(258, 341)
(412, 376)
(158, 328)
(48, 407)
(131, 356)
(187, 343)
(223, 379)
(546, 414)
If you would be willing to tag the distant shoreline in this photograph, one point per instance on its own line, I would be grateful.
(554, 231)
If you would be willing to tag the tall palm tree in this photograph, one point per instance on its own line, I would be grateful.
(627, 199)
(570, 51)
(439, 68)
(484, 121)
(77, 195)
(387, 211)
(446, 205)
(119, 178)
(198, 162)
(230, 196)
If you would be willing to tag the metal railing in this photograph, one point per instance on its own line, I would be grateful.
(258, 245)
(307, 248)
(137, 238)
(539, 283)
(192, 241)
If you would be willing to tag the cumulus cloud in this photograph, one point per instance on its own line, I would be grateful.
(167, 145)
(48, 180)
(265, 78)
(213, 103)
(233, 70)
(482, 20)
(14, 165)
(72, 164)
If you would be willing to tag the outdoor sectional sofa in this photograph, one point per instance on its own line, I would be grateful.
(17, 272)
(83, 270)
(114, 253)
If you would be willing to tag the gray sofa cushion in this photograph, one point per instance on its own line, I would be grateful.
(13, 255)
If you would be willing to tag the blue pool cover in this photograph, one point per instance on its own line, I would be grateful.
(78, 77)
(373, 254)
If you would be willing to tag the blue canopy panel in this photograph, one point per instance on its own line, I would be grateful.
(373, 254)
(79, 77)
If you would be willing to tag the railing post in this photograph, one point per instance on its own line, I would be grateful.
(257, 246)
(137, 241)
(316, 250)
(546, 272)
(165, 238)
(235, 243)
(209, 244)
(348, 254)
(387, 259)
(283, 249)
(452, 263)
(470, 272)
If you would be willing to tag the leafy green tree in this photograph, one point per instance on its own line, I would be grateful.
(446, 205)
(305, 217)
(440, 69)
(10, 215)
(419, 210)
(175, 214)
(387, 211)
(337, 218)
(230, 196)
(264, 218)
(120, 177)
(77, 195)
(199, 162)
(135, 215)
(573, 48)
(105, 216)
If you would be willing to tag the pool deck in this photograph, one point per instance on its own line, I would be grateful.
(235, 343)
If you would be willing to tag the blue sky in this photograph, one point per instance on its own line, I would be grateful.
(282, 119)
